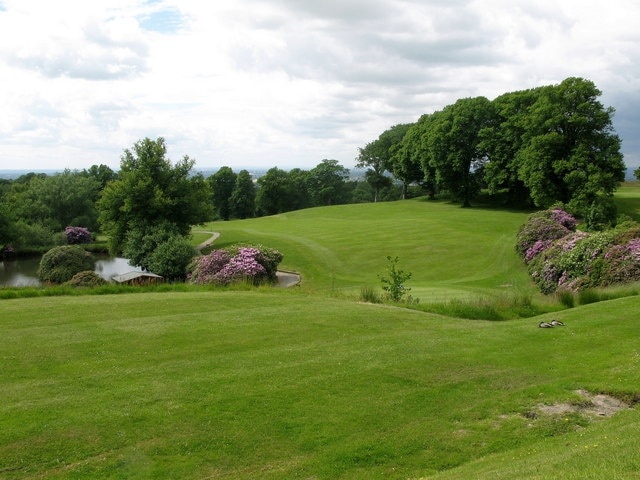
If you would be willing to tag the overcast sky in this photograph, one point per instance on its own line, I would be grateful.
(287, 83)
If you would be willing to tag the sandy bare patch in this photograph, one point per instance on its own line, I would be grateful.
(600, 405)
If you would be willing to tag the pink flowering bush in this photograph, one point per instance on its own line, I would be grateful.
(77, 235)
(577, 260)
(622, 263)
(542, 226)
(238, 263)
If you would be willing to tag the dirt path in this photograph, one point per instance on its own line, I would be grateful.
(214, 236)
(285, 279)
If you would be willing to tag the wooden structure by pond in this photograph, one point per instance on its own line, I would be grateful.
(137, 278)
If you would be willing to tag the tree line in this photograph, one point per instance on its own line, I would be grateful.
(533, 147)
(150, 199)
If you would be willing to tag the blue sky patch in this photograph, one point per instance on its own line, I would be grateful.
(162, 21)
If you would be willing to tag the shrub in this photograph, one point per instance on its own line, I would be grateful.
(236, 264)
(60, 264)
(77, 235)
(601, 214)
(544, 226)
(394, 284)
(88, 278)
(622, 263)
(171, 258)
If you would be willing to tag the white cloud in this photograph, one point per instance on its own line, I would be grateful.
(284, 82)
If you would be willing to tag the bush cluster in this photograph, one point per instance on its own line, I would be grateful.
(60, 264)
(560, 258)
(88, 278)
(257, 264)
(77, 235)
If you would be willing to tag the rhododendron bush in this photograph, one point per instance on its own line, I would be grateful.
(77, 235)
(256, 264)
(559, 257)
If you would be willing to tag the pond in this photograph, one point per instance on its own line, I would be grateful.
(22, 272)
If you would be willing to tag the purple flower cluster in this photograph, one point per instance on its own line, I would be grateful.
(77, 235)
(225, 266)
(570, 241)
(536, 249)
(563, 218)
(244, 265)
(574, 260)
(206, 267)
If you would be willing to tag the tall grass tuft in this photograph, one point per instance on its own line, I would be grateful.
(566, 298)
(370, 295)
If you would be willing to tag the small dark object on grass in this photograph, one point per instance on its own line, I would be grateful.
(557, 323)
(545, 325)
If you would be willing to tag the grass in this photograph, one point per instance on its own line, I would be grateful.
(450, 251)
(183, 382)
(233, 385)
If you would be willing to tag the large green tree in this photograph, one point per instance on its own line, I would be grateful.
(151, 193)
(55, 201)
(378, 157)
(502, 139)
(276, 192)
(222, 184)
(453, 143)
(570, 151)
(327, 183)
(243, 196)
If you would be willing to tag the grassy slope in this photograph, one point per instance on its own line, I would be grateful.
(284, 384)
(279, 385)
(449, 250)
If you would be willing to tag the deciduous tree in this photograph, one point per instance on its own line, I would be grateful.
(222, 184)
(151, 192)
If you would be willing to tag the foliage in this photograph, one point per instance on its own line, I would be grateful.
(144, 239)
(540, 230)
(236, 264)
(326, 183)
(77, 235)
(171, 258)
(394, 282)
(52, 203)
(275, 193)
(377, 156)
(150, 192)
(88, 278)
(243, 197)
(60, 264)
(222, 184)
(455, 148)
(562, 259)
(539, 146)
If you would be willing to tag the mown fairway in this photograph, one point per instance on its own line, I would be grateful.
(307, 382)
(450, 251)
(281, 385)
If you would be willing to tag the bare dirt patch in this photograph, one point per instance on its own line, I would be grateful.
(599, 405)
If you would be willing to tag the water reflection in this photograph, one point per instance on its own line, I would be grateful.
(23, 272)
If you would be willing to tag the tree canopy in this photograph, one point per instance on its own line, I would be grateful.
(549, 144)
(151, 193)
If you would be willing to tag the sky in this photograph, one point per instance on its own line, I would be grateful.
(262, 83)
